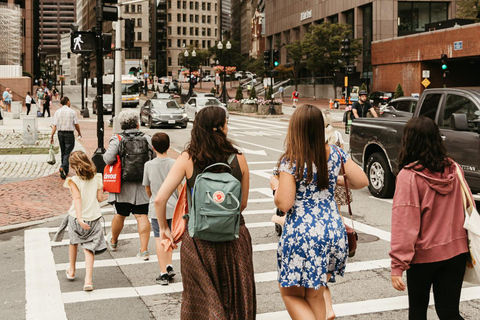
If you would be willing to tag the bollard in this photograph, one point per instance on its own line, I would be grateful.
(16, 109)
(30, 130)
(33, 110)
(1, 116)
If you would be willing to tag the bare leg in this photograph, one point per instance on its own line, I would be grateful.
(89, 258)
(327, 295)
(143, 230)
(117, 226)
(316, 302)
(72, 257)
(164, 258)
(296, 304)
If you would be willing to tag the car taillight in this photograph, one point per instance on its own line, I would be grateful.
(384, 98)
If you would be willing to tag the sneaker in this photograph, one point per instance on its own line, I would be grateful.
(170, 272)
(143, 255)
(162, 279)
(62, 174)
(111, 246)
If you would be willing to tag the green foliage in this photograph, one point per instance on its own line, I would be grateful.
(295, 54)
(253, 93)
(239, 93)
(398, 92)
(193, 62)
(214, 91)
(229, 57)
(269, 93)
(363, 87)
(26, 74)
(468, 9)
(256, 66)
(322, 46)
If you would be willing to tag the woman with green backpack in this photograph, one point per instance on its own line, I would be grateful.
(216, 266)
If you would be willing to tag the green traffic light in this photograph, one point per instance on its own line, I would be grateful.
(276, 63)
(444, 67)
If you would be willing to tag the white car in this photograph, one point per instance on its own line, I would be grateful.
(196, 104)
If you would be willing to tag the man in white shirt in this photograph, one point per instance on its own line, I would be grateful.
(65, 121)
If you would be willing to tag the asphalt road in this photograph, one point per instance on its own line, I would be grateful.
(35, 286)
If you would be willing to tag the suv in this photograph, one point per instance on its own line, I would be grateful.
(379, 98)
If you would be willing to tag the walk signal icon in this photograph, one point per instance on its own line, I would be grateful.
(82, 42)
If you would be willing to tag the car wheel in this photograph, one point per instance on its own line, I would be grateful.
(336, 105)
(183, 127)
(141, 122)
(380, 178)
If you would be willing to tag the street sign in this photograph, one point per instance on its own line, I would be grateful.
(146, 75)
(458, 45)
(82, 42)
(426, 82)
(426, 74)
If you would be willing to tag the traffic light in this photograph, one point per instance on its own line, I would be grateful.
(444, 62)
(267, 58)
(276, 58)
(129, 33)
(109, 13)
(345, 49)
(107, 43)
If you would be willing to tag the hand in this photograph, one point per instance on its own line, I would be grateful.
(398, 283)
(51, 140)
(167, 234)
(273, 182)
(341, 181)
(79, 137)
(83, 225)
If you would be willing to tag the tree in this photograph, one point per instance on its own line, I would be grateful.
(295, 54)
(194, 63)
(468, 9)
(322, 44)
(363, 87)
(229, 57)
(253, 93)
(239, 93)
(256, 66)
(398, 92)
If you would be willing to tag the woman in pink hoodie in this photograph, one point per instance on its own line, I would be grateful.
(428, 238)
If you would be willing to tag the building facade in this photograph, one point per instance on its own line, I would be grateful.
(257, 46)
(135, 58)
(226, 15)
(371, 20)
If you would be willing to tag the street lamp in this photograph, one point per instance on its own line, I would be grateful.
(188, 64)
(145, 71)
(228, 46)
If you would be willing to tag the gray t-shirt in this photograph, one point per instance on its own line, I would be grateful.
(155, 172)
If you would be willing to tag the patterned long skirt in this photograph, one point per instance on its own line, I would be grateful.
(218, 278)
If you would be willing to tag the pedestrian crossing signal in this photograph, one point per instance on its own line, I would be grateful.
(82, 42)
(276, 58)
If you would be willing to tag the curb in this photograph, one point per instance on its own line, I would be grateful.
(18, 226)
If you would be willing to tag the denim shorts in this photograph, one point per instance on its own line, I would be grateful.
(156, 227)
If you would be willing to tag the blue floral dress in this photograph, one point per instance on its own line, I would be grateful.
(314, 240)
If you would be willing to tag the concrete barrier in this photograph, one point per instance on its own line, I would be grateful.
(16, 109)
(30, 130)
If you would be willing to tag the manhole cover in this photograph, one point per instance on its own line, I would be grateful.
(365, 238)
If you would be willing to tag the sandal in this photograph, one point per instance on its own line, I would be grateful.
(69, 277)
(88, 287)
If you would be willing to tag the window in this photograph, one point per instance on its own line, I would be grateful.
(216, 33)
(209, 43)
(169, 43)
(184, 4)
(196, 5)
(209, 19)
(179, 4)
(133, 8)
(127, 9)
(203, 32)
(179, 43)
(203, 18)
(169, 4)
(139, 36)
(209, 32)
(414, 16)
(169, 30)
(191, 5)
(203, 44)
(191, 18)
(139, 8)
(139, 22)
(196, 31)
(191, 31)
(196, 18)
(216, 20)
(430, 106)
(209, 6)
(184, 17)
(179, 17)
(459, 104)
(169, 17)
(203, 6)
(184, 31)
(169, 61)
(216, 7)
(179, 30)
(191, 42)
(134, 53)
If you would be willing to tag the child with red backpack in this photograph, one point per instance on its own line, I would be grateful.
(295, 95)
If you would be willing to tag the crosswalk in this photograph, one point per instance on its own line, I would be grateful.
(123, 279)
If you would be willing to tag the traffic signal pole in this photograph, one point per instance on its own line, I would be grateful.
(118, 71)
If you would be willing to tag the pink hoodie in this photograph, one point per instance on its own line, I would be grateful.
(427, 218)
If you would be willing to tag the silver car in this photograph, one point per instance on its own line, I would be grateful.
(196, 104)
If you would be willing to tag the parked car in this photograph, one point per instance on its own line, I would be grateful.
(163, 80)
(400, 107)
(107, 104)
(171, 87)
(196, 104)
(208, 78)
(163, 112)
(374, 142)
(379, 98)
(203, 94)
(162, 95)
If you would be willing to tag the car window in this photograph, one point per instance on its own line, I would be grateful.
(392, 105)
(191, 101)
(403, 106)
(460, 104)
(211, 102)
(413, 106)
(387, 94)
(430, 105)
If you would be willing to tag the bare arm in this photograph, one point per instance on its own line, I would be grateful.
(355, 113)
(373, 112)
(54, 129)
(77, 202)
(245, 180)
(100, 195)
(77, 126)
(355, 176)
(149, 191)
(285, 190)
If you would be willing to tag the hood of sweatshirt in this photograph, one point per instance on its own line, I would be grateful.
(441, 182)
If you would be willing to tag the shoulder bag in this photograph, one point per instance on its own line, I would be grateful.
(112, 175)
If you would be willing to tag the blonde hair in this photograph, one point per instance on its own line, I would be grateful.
(330, 136)
(83, 166)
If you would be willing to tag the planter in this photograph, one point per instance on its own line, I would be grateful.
(249, 108)
(265, 109)
(234, 106)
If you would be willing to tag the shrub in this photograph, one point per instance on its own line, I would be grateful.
(253, 93)
(398, 92)
(239, 94)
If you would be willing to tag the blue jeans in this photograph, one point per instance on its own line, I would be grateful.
(67, 143)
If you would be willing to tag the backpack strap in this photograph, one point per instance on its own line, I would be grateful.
(230, 159)
(218, 164)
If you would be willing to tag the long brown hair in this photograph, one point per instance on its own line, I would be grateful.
(305, 144)
(208, 143)
(422, 143)
(83, 166)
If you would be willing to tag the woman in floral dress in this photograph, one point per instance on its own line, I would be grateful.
(313, 247)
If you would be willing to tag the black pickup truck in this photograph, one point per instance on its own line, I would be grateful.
(375, 142)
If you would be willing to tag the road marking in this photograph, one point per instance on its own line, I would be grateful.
(265, 173)
(266, 191)
(262, 162)
(258, 145)
(372, 306)
(263, 124)
(42, 287)
(380, 199)
(128, 292)
(257, 152)
(365, 228)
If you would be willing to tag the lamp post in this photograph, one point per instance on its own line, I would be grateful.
(61, 79)
(188, 63)
(145, 71)
(228, 46)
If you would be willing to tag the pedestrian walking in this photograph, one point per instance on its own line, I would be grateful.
(295, 95)
(40, 95)
(218, 279)
(313, 247)
(83, 218)
(281, 90)
(47, 101)
(133, 198)
(7, 99)
(428, 238)
(361, 107)
(65, 121)
(55, 94)
(156, 172)
(28, 102)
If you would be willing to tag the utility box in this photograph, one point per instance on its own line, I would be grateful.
(30, 130)
(16, 109)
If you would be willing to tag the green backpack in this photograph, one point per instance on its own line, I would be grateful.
(215, 205)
